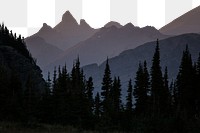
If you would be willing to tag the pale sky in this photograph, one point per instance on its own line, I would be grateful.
(27, 16)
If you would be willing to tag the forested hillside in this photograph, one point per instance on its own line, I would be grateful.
(21, 82)
(67, 99)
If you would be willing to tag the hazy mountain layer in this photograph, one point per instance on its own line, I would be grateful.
(42, 51)
(107, 42)
(126, 64)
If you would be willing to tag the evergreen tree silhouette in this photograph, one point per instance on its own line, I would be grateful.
(106, 99)
(166, 97)
(197, 91)
(115, 94)
(89, 93)
(97, 106)
(106, 87)
(140, 91)
(184, 83)
(157, 84)
(30, 100)
(128, 114)
(115, 105)
(129, 98)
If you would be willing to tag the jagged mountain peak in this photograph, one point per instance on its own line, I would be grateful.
(68, 23)
(67, 17)
(83, 23)
(45, 29)
(45, 26)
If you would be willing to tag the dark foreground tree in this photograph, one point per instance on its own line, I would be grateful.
(157, 84)
(141, 90)
(186, 90)
(129, 98)
(106, 87)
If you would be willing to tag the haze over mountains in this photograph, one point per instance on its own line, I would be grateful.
(42, 51)
(187, 23)
(68, 40)
(69, 96)
(126, 64)
(48, 43)
(108, 42)
(92, 45)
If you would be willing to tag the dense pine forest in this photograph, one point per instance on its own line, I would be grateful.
(153, 103)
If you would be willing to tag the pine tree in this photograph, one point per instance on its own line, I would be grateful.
(97, 106)
(129, 98)
(48, 83)
(146, 77)
(197, 91)
(115, 95)
(54, 80)
(166, 82)
(157, 85)
(89, 93)
(127, 118)
(140, 91)
(77, 78)
(30, 99)
(106, 87)
(115, 102)
(107, 107)
(185, 88)
(15, 99)
(166, 97)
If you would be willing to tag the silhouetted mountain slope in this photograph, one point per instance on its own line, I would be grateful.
(108, 42)
(42, 51)
(16, 60)
(125, 65)
(187, 23)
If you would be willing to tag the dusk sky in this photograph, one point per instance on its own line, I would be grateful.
(27, 16)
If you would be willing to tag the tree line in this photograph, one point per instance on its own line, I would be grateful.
(8, 38)
(160, 105)
(68, 99)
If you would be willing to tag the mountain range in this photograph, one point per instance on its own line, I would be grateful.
(107, 42)
(125, 45)
(67, 40)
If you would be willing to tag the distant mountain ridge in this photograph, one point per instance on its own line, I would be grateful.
(113, 23)
(187, 23)
(68, 39)
(42, 51)
(107, 42)
(126, 64)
